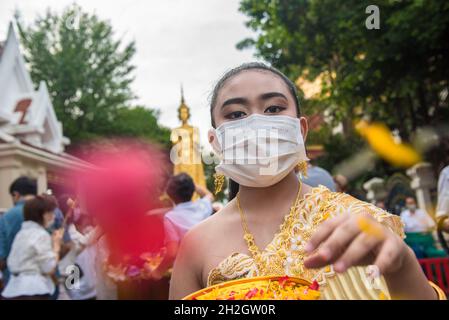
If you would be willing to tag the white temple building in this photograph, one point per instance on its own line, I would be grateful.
(31, 137)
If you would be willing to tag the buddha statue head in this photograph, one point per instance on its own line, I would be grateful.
(183, 114)
(183, 110)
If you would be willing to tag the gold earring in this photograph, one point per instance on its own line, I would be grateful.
(218, 182)
(302, 168)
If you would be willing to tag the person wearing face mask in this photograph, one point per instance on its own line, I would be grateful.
(276, 225)
(418, 227)
(34, 253)
(415, 219)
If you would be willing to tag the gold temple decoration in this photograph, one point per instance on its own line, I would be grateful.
(186, 152)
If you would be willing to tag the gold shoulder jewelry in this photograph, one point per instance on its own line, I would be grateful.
(249, 237)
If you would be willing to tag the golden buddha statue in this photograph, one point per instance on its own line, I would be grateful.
(186, 151)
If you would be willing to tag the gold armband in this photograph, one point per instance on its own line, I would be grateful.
(441, 294)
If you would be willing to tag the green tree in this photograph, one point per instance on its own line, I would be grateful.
(138, 122)
(88, 72)
(398, 74)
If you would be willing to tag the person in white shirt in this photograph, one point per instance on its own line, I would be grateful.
(186, 213)
(418, 227)
(415, 219)
(81, 254)
(34, 253)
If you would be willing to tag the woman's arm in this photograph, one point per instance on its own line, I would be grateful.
(186, 276)
(409, 282)
(48, 250)
(204, 192)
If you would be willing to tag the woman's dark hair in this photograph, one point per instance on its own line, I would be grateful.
(35, 208)
(234, 186)
(180, 188)
(246, 67)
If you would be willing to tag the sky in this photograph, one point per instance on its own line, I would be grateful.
(178, 41)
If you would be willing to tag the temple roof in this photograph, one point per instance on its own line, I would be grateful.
(26, 114)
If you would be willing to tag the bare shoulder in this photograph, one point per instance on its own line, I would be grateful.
(212, 227)
(211, 234)
(197, 247)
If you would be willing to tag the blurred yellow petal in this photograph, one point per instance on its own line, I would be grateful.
(382, 142)
(370, 228)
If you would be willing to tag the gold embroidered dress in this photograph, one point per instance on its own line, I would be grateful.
(285, 254)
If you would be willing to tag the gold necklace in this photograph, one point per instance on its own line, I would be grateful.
(249, 237)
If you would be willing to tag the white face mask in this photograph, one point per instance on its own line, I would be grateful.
(259, 150)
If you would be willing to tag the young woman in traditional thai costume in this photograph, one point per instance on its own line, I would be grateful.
(274, 224)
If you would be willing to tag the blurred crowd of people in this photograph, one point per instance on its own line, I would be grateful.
(51, 249)
(40, 238)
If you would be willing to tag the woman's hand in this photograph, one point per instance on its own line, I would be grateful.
(351, 240)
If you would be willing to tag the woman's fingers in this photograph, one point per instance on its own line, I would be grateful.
(388, 255)
(335, 245)
(356, 252)
(323, 232)
(347, 241)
